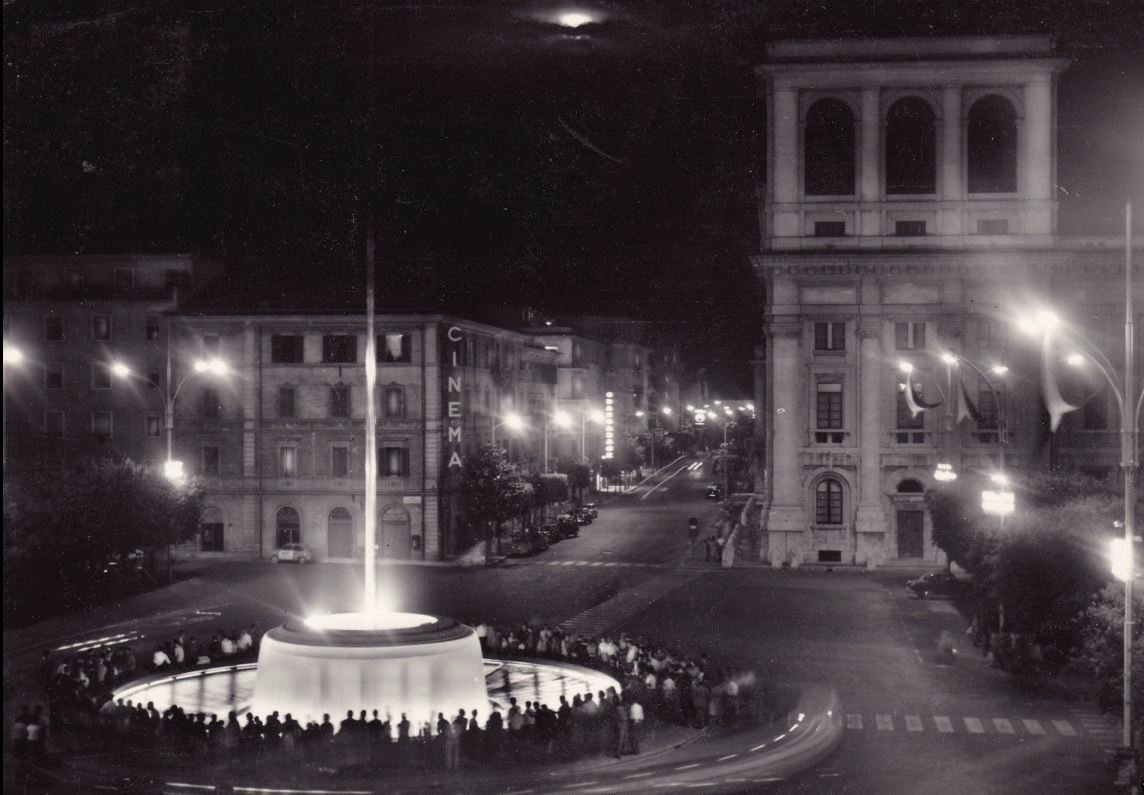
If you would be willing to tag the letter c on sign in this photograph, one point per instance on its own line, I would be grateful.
(454, 330)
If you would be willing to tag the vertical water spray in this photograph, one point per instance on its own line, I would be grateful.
(369, 598)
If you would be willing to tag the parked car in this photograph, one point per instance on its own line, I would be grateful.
(526, 541)
(936, 583)
(551, 533)
(581, 516)
(590, 509)
(568, 525)
(714, 492)
(298, 553)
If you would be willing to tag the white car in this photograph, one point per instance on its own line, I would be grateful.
(299, 553)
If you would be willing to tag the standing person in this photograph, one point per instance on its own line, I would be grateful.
(403, 729)
(635, 726)
(622, 719)
(453, 742)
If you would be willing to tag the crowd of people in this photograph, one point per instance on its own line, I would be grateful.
(654, 683)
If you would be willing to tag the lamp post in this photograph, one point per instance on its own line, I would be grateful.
(561, 420)
(596, 416)
(512, 421)
(1129, 404)
(944, 470)
(12, 358)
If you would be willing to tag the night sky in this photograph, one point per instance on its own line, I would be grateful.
(504, 160)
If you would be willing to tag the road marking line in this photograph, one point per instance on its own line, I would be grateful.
(688, 767)
(767, 780)
(944, 725)
(596, 563)
(725, 758)
(759, 747)
(611, 563)
(1003, 726)
(702, 784)
(639, 775)
(581, 784)
(1064, 728)
(853, 721)
(1032, 726)
(974, 726)
(913, 723)
(885, 723)
(829, 775)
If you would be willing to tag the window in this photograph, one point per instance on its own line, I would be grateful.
(151, 328)
(909, 228)
(394, 348)
(101, 424)
(53, 328)
(993, 226)
(100, 376)
(53, 375)
(828, 502)
(394, 462)
(288, 527)
(212, 404)
(212, 460)
(339, 349)
(210, 533)
(393, 405)
(286, 349)
(987, 422)
(152, 425)
(339, 400)
(911, 166)
(340, 461)
(828, 414)
(911, 428)
(101, 328)
(287, 461)
(990, 334)
(830, 229)
(54, 424)
(830, 336)
(909, 336)
(1096, 411)
(991, 142)
(124, 279)
(211, 345)
(153, 380)
(286, 401)
(829, 149)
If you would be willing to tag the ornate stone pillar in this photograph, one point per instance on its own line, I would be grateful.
(870, 516)
(786, 525)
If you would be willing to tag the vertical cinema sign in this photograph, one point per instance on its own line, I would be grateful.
(454, 393)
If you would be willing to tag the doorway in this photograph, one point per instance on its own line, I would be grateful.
(911, 532)
(341, 534)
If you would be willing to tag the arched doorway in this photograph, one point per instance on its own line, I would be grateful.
(911, 519)
(340, 534)
(394, 533)
(288, 527)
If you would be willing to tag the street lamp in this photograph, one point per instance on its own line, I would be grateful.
(561, 420)
(13, 357)
(512, 421)
(1045, 324)
(944, 470)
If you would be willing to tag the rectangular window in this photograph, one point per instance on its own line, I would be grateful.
(394, 462)
(987, 428)
(394, 348)
(153, 426)
(828, 503)
(830, 229)
(212, 460)
(909, 336)
(1096, 411)
(339, 400)
(909, 228)
(393, 406)
(339, 349)
(828, 414)
(286, 401)
(990, 334)
(911, 429)
(830, 336)
(211, 345)
(211, 536)
(286, 349)
(212, 404)
(339, 461)
(993, 226)
(100, 376)
(101, 424)
(53, 375)
(287, 461)
(124, 279)
(53, 328)
(151, 328)
(54, 424)
(101, 328)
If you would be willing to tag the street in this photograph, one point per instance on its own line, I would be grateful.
(914, 722)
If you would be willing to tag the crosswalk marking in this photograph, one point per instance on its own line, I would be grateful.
(1063, 727)
(913, 723)
(1003, 726)
(853, 721)
(944, 725)
(885, 723)
(974, 726)
(1032, 726)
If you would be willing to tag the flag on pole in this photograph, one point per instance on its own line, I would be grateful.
(914, 400)
(1056, 405)
(967, 408)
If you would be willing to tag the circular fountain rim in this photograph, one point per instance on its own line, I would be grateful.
(436, 630)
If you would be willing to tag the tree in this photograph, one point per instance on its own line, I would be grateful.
(579, 479)
(491, 491)
(1101, 649)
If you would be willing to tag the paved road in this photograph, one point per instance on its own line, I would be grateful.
(915, 724)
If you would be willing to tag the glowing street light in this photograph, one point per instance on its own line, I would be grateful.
(944, 473)
(1121, 559)
(1000, 501)
(574, 19)
(13, 357)
(512, 421)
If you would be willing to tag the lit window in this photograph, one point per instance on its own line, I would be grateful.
(394, 402)
(287, 461)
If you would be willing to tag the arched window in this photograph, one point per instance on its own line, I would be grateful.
(393, 402)
(211, 530)
(286, 401)
(911, 486)
(911, 165)
(829, 149)
(288, 526)
(340, 400)
(992, 146)
(828, 502)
